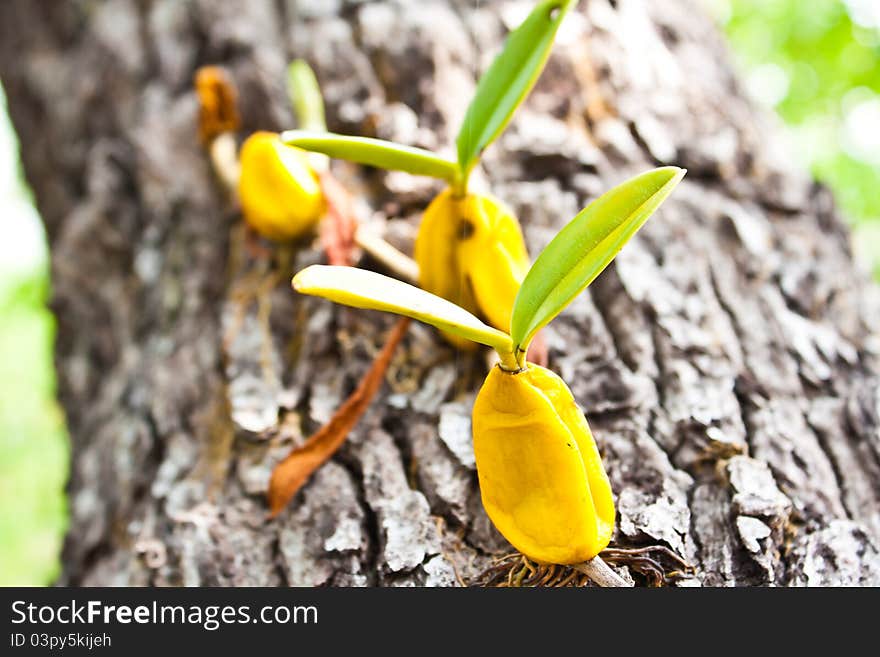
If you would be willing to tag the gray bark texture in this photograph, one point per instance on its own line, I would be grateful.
(727, 361)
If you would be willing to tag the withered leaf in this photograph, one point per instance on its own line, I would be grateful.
(291, 473)
(218, 103)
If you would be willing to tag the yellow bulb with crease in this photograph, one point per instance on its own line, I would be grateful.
(280, 193)
(541, 476)
(470, 250)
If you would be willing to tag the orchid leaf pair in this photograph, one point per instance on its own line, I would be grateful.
(470, 247)
(499, 92)
(572, 260)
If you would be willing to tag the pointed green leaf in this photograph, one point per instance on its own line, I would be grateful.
(365, 289)
(374, 152)
(582, 249)
(305, 96)
(508, 80)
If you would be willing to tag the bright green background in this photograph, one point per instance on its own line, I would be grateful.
(33, 445)
(816, 61)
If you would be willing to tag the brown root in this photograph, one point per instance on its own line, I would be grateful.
(655, 565)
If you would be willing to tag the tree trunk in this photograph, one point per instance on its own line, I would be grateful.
(727, 362)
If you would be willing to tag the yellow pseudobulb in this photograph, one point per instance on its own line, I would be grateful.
(541, 476)
(470, 250)
(280, 192)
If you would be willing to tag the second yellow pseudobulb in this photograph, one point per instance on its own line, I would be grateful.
(280, 193)
(470, 250)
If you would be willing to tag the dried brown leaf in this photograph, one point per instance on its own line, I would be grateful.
(291, 473)
(218, 103)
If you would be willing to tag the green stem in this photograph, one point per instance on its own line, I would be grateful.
(509, 361)
(521, 351)
(459, 184)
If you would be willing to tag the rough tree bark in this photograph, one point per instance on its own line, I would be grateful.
(728, 361)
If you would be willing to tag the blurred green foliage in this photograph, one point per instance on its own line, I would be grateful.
(818, 63)
(33, 443)
(33, 446)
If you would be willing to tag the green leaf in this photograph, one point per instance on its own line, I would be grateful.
(582, 249)
(305, 96)
(374, 152)
(365, 289)
(509, 79)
